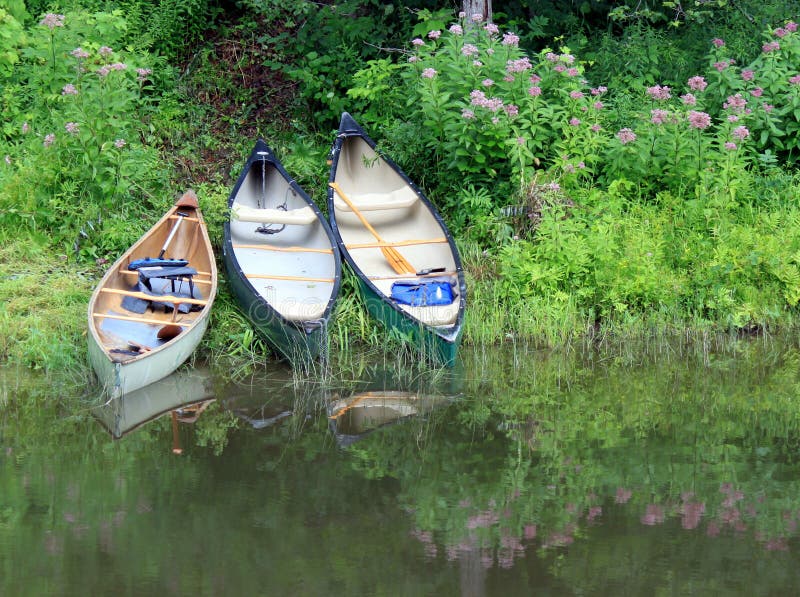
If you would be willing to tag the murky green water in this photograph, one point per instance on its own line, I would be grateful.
(523, 473)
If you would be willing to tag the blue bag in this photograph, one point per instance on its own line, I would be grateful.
(425, 293)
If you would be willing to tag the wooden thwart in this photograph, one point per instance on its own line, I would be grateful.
(406, 276)
(399, 243)
(160, 298)
(289, 249)
(293, 278)
(142, 319)
(398, 263)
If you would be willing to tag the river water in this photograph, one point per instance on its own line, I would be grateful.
(638, 471)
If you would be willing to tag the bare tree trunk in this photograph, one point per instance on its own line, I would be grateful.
(481, 7)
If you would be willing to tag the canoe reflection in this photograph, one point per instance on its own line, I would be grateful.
(355, 417)
(186, 393)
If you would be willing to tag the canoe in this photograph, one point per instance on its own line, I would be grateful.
(146, 315)
(184, 392)
(383, 222)
(281, 258)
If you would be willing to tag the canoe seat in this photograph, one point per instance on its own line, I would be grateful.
(300, 217)
(402, 197)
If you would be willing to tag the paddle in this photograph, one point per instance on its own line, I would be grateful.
(399, 263)
(160, 261)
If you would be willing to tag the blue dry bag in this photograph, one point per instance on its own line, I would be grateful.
(423, 293)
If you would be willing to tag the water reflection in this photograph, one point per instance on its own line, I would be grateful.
(185, 393)
(530, 472)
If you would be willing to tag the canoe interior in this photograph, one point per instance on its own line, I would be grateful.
(371, 184)
(293, 268)
(116, 327)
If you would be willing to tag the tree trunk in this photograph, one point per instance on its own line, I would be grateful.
(481, 7)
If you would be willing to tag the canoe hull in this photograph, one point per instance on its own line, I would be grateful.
(397, 215)
(129, 348)
(285, 276)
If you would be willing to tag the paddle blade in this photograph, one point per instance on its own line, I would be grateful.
(168, 332)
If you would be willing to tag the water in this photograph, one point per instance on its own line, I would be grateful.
(524, 472)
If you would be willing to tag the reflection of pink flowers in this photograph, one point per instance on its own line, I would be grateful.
(654, 514)
(623, 495)
(692, 512)
(594, 512)
(482, 520)
(529, 532)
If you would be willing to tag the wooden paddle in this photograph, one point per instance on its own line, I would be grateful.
(399, 263)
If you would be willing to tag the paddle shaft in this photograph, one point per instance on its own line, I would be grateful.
(393, 256)
(177, 225)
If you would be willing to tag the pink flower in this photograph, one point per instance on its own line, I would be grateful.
(491, 29)
(520, 140)
(767, 107)
(689, 99)
(733, 118)
(534, 91)
(429, 73)
(477, 97)
(509, 39)
(735, 103)
(535, 78)
(718, 43)
(599, 90)
(559, 68)
(103, 71)
(758, 92)
(511, 109)
(410, 59)
(105, 51)
(69, 89)
(658, 116)
(697, 83)
(25, 128)
(626, 136)
(120, 143)
(772, 46)
(780, 32)
(467, 114)
(730, 146)
(596, 128)
(519, 66)
(436, 34)
(469, 50)
(417, 42)
(795, 80)
(456, 30)
(144, 73)
(72, 128)
(8, 160)
(598, 105)
(550, 57)
(52, 20)
(568, 58)
(118, 66)
(658, 92)
(721, 65)
(477, 17)
(80, 53)
(699, 120)
(741, 133)
(487, 82)
(791, 26)
(49, 140)
(748, 75)
(477, 63)
(573, 72)
(575, 94)
(574, 122)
